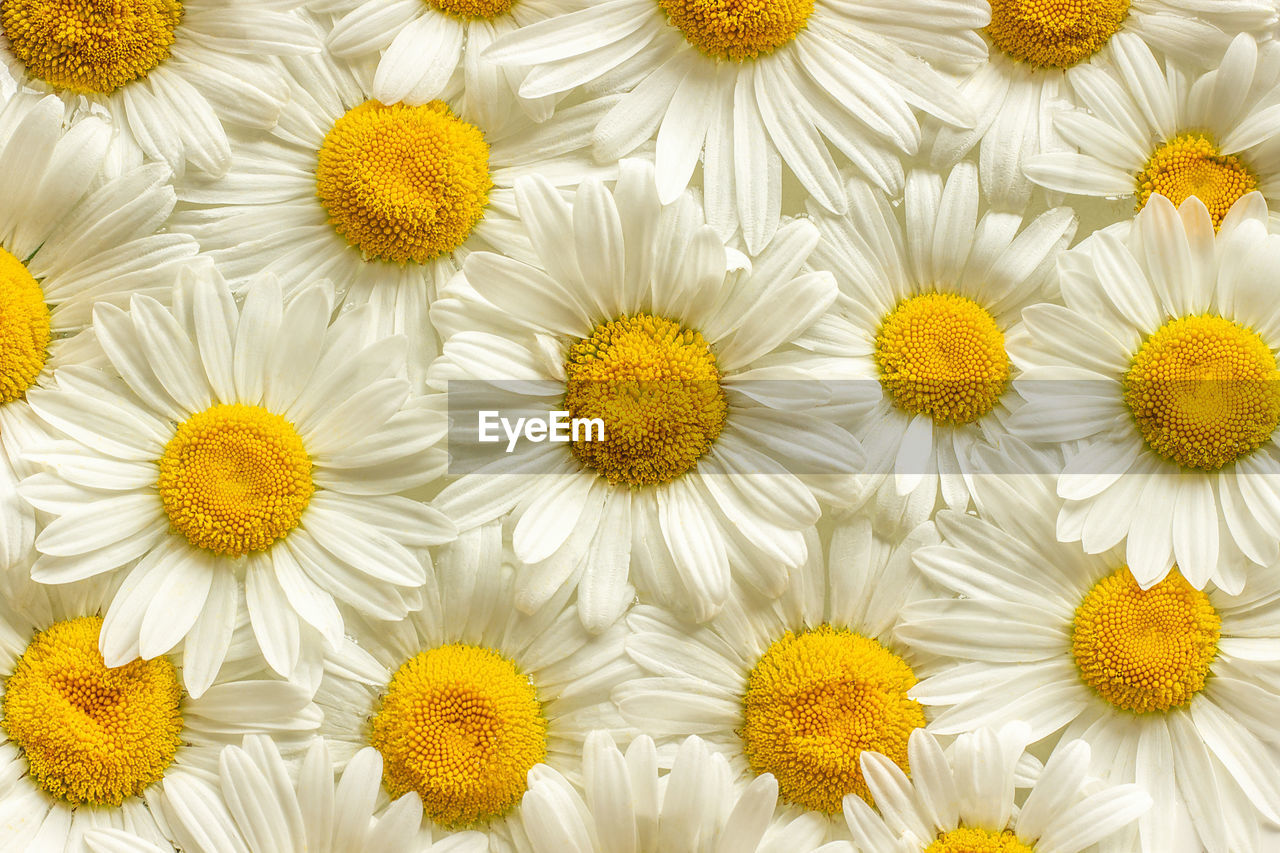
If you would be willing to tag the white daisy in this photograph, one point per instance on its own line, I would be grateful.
(1173, 688)
(68, 238)
(929, 296)
(798, 687)
(625, 804)
(1147, 130)
(750, 85)
(963, 800)
(383, 200)
(256, 442)
(467, 699)
(1162, 366)
(85, 745)
(173, 75)
(423, 44)
(1045, 56)
(625, 290)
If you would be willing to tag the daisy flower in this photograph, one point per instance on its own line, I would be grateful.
(1145, 130)
(751, 85)
(797, 687)
(174, 75)
(626, 804)
(69, 237)
(928, 300)
(963, 799)
(87, 745)
(1174, 688)
(258, 443)
(465, 699)
(1162, 366)
(423, 44)
(624, 290)
(1045, 55)
(381, 199)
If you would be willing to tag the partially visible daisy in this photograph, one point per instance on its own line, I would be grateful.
(1173, 688)
(928, 298)
(172, 74)
(630, 314)
(467, 698)
(384, 200)
(798, 687)
(84, 744)
(257, 444)
(1162, 365)
(1046, 56)
(1145, 130)
(750, 85)
(423, 44)
(69, 237)
(963, 800)
(626, 804)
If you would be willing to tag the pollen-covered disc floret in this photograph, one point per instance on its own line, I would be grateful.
(814, 702)
(91, 733)
(462, 726)
(656, 387)
(971, 839)
(1145, 650)
(403, 183)
(24, 328)
(235, 478)
(90, 45)
(942, 355)
(1190, 164)
(487, 9)
(1204, 391)
(1054, 33)
(738, 29)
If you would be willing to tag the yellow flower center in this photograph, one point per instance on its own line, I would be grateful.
(235, 478)
(738, 29)
(461, 726)
(24, 329)
(91, 733)
(90, 45)
(1191, 165)
(814, 702)
(1145, 650)
(969, 839)
(1203, 391)
(656, 387)
(942, 355)
(487, 9)
(1054, 33)
(403, 183)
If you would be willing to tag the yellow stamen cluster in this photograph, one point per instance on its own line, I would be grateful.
(403, 183)
(235, 478)
(90, 45)
(1054, 33)
(1190, 164)
(942, 355)
(24, 329)
(657, 388)
(814, 702)
(968, 839)
(487, 9)
(1145, 650)
(738, 29)
(91, 733)
(1204, 391)
(461, 726)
